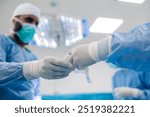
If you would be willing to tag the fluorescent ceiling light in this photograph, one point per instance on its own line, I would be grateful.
(133, 1)
(105, 25)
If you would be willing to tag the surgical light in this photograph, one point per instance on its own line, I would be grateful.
(133, 1)
(54, 31)
(73, 29)
(105, 25)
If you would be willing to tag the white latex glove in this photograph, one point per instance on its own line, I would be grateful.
(84, 55)
(80, 57)
(47, 68)
(124, 92)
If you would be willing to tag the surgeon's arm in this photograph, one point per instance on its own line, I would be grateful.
(47, 68)
(87, 54)
(127, 50)
(13, 73)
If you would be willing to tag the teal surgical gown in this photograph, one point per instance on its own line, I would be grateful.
(131, 49)
(13, 85)
(133, 79)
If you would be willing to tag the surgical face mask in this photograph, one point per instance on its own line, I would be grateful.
(27, 31)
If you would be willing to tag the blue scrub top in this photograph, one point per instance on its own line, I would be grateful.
(13, 85)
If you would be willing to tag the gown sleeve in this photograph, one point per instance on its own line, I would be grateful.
(11, 73)
(131, 49)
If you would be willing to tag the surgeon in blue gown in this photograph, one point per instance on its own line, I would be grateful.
(131, 85)
(19, 68)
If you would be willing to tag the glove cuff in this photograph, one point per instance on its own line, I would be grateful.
(93, 51)
(100, 49)
(30, 70)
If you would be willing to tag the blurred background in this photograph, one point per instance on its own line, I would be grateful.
(67, 23)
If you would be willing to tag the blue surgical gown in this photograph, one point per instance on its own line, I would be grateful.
(133, 79)
(13, 85)
(131, 49)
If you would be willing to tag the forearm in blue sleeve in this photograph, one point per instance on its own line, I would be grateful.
(11, 74)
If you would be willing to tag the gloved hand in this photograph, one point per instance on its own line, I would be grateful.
(80, 57)
(47, 68)
(124, 92)
(88, 54)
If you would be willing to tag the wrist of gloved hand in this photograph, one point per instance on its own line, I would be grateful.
(31, 70)
(99, 50)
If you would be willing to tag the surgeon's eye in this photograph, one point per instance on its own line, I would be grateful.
(30, 20)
